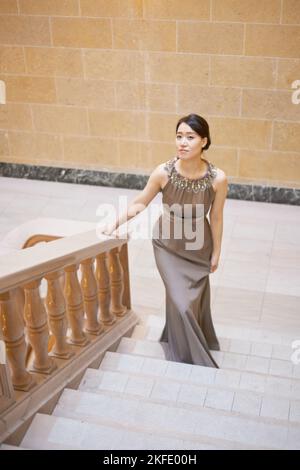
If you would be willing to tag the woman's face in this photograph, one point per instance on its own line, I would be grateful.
(189, 144)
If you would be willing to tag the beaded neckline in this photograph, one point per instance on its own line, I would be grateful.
(190, 185)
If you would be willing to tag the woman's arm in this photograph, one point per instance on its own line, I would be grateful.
(216, 217)
(151, 189)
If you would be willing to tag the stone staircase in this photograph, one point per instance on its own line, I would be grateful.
(139, 400)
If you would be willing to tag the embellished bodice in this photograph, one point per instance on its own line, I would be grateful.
(184, 191)
(186, 204)
(188, 184)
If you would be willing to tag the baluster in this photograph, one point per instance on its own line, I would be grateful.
(89, 290)
(126, 278)
(117, 283)
(103, 281)
(56, 308)
(7, 394)
(36, 321)
(12, 324)
(74, 303)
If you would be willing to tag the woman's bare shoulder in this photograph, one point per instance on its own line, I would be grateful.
(160, 174)
(220, 175)
(220, 180)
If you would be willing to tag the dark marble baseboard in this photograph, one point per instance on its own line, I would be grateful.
(246, 192)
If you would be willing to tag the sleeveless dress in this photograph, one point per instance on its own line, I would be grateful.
(188, 330)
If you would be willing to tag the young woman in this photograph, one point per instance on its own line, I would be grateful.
(187, 180)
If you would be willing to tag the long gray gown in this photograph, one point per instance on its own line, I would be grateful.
(188, 330)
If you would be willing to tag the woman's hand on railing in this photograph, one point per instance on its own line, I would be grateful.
(108, 229)
(111, 231)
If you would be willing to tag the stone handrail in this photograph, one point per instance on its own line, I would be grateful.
(84, 314)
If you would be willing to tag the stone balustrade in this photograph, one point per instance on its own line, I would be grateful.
(87, 299)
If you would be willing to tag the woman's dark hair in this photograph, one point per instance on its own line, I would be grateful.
(199, 125)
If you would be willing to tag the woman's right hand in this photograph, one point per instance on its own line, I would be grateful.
(106, 229)
(112, 231)
(109, 229)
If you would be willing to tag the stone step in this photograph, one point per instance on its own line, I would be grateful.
(242, 332)
(161, 389)
(225, 360)
(142, 415)
(248, 333)
(232, 339)
(251, 348)
(53, 432)
(248, 384)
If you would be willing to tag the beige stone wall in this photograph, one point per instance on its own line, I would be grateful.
(101, 83)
